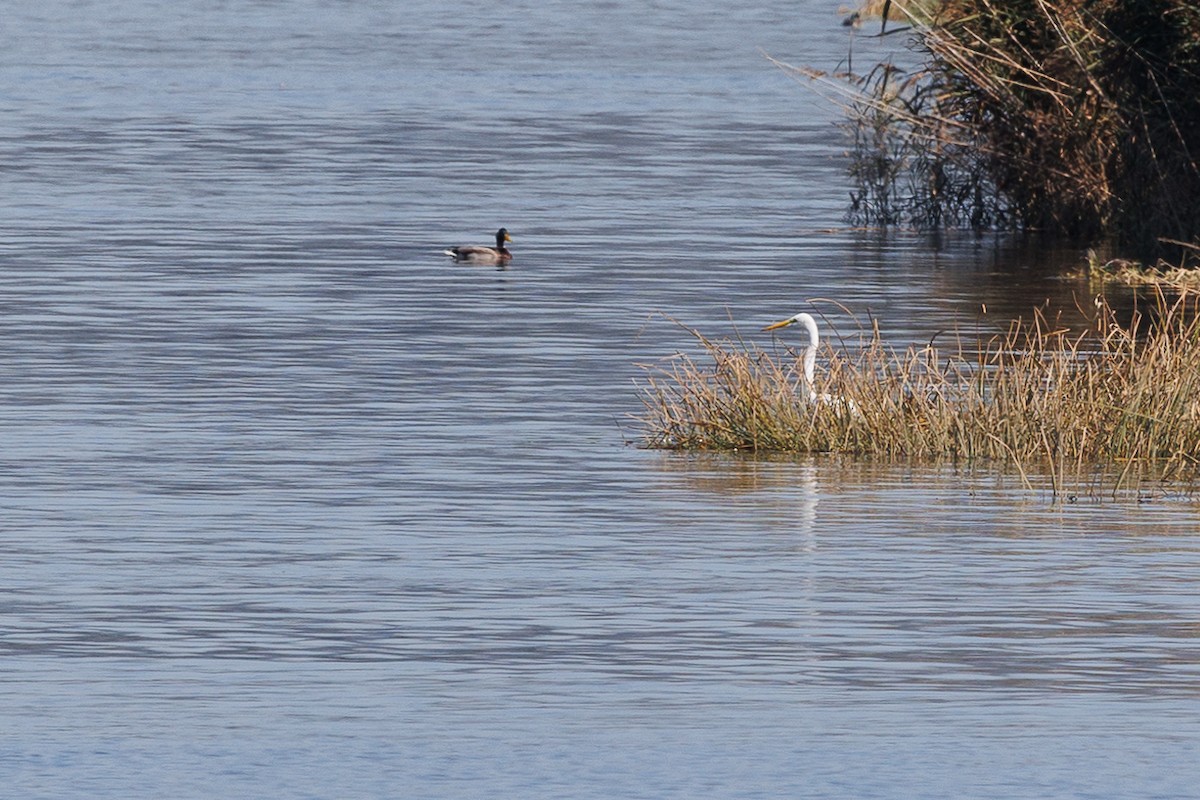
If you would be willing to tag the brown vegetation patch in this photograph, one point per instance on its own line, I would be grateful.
(1038, 396)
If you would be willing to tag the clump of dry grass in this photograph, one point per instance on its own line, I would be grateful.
(1039, 396)
(1179, 278)
(1078, 119)
(1084, 112)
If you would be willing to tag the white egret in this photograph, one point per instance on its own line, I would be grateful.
(810, 361)
(480, 254)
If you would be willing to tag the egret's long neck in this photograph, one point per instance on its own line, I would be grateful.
(810, 354)
(810, 368)
(810, 325)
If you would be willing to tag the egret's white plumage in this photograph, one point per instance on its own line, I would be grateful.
(810, 360)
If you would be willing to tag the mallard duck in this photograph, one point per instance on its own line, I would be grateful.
(480, 254)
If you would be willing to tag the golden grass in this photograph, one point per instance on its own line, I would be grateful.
(1178, 278)
(1119, 398)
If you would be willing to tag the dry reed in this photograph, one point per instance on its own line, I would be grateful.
(1077, 118)
(1045, 399)
(1167, 277)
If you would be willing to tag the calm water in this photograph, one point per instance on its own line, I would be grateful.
(290, 506)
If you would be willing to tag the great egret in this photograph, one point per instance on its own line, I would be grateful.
(479, 254)
(810, 361)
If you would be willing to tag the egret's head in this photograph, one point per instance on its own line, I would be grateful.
(783, 323)
(805, 321)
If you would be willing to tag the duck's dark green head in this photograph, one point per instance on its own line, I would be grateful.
(502, 237)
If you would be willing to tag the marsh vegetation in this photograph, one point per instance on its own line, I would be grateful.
(1111, 396)
(1074, 119)
(1077, 120)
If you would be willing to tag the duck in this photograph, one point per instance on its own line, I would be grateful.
(481, 254)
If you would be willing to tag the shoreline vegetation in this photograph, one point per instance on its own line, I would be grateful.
(1107, 404)
(1074, 120)
(1078, 120)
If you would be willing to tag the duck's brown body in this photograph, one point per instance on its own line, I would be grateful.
(480, 254)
